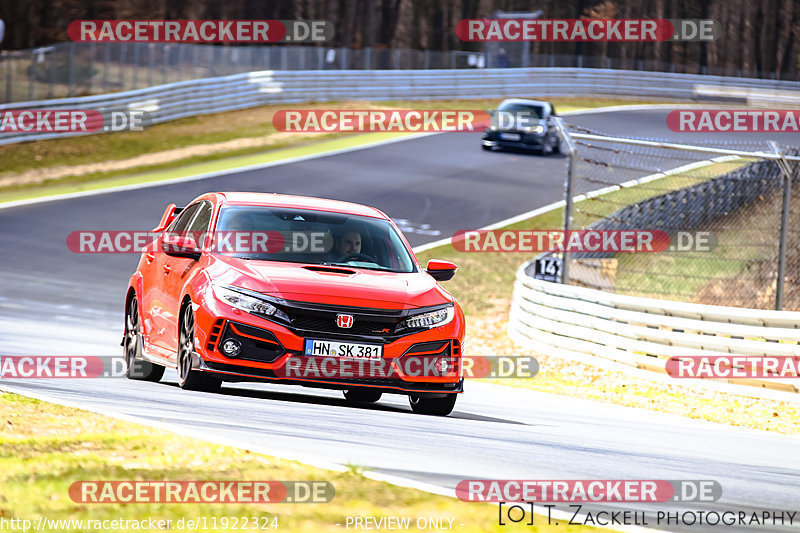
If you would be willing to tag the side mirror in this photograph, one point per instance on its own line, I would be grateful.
(441, 270)
(181, 247)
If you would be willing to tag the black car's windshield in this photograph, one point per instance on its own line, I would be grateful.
(311, 237)
(533, 111)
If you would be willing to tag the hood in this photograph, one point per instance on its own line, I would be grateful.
(332, 285)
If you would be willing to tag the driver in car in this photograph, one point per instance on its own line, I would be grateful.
(347, 243)
(347, 247)
(240, 222)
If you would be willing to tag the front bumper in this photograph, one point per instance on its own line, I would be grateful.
(274, 352)
(527, 141)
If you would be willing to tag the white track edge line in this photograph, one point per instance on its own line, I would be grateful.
(310, 460)
(212, 174)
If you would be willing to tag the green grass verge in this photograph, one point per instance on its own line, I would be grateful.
(200, 165)
(44, 448)
(493, 273)
(673, 275)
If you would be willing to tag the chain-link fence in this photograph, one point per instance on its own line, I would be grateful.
(722, 205)
(77, 69)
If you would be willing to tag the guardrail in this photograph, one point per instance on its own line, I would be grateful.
(579, 323)
(239, 91)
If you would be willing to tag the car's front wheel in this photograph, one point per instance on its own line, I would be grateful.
(432, 406)
(189, 378)
(135, 366)
(362, 395)
(547, 147)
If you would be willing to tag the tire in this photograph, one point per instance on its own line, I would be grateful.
(557, 147)
(547, 148)
(136, 367)
(486, 148)
(362, 395)
(433, 406)
(188, 378)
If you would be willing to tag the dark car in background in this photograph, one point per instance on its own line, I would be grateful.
(523, 125)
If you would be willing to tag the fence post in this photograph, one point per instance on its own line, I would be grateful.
(165, 55)
(181, 49)
(572, 154)
(7, 63)
(71, 69)
(31, 75)
(106, 60)
(787, 192)
(123, 56)
(151, 63)
(51, 68)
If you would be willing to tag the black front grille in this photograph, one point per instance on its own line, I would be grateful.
(326, 323)
(379, 325)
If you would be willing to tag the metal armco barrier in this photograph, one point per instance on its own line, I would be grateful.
(239, 91)
(579, 323)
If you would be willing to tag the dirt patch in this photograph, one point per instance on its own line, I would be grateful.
(200, 127)
(40, 175)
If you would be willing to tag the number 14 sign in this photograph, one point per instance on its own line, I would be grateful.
(548, 268)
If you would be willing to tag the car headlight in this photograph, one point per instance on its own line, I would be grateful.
(247, 300)
(538, 129)
(431, 319)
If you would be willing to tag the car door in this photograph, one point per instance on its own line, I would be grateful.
(155, 299)
(177, 270)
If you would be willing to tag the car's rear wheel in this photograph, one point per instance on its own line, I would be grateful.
(432, 406)
(188, 378)
(135, 366)
(362, 395)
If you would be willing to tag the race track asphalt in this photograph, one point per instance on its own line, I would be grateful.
(53, 301)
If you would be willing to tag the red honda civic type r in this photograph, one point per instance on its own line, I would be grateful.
(297, 290)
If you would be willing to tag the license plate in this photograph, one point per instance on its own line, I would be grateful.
(510, 136)
(348, 350)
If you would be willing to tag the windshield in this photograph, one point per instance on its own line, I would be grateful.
(533, 111)
(311, 237)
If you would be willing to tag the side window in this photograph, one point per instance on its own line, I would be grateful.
(203, 218)
(182, 222)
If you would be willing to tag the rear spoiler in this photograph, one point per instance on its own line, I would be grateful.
(170, 213)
